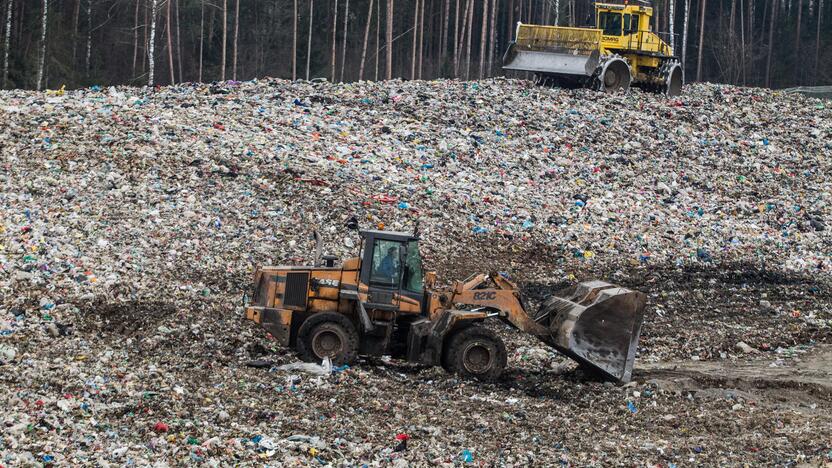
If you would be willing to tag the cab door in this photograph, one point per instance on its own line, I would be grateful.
(385, 262)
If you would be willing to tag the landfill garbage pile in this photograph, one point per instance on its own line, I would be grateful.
(131, 220)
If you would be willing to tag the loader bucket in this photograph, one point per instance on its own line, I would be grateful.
(597, 325)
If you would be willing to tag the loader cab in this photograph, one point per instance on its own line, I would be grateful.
(619, 20)
(391, 267)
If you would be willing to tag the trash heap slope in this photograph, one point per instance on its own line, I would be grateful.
(131, 220)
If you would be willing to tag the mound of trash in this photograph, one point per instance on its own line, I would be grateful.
(131, 220)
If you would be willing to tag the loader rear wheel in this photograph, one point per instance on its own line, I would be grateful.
(328, 334)
(475, 353)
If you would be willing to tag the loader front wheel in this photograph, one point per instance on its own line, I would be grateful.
(328, 335)
(476, 353)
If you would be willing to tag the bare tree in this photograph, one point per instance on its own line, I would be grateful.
(366, 36)
(236, 37)
(7, 42)
(89, 35)
(798, 73)
(685, 34)
(483, 35)
(415, 39)
(334, 39)
(344, 43)
(224, 38)
(770, 41)
(493, 41)
(443, 36)
(701, 40)
(75, 17)
(201, 34)
(421, 37)
(468, 40)
(670, 19)
(178, 43)
(817, 42)
(389, 39)
(135, 38)
(309, 39)
(170, 43)
(295, 42)
(42, 43)
(378, 33)
(456, 39)
(462, 31)
(742, 42)
(751, 34)
(150, 45)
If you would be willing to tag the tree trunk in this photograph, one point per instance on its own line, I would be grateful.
(462, 30)
(295, 42)
(150, 44)
(685, 34)
(415, 39)
(389, 40)
(797, 34)
(170, 43)
(457, 39)
(742, 43)
(483, 36)
(443, 42)
(7, 43)
(421, 36)
(75, 16)
(770, 42)
(334, 40)
(557, 12)
(468, 40)
(344, 43)
(309, 39)
(670, 19)
(366, 37)
(42, 43)
(732, 20)
(817, 42)
(145, 37)
(178, 43)
(135, 38)
(751, 35)
(236, 38)
(701, 40)
(224, 38)
(89, 36)
(378, 36)
(493, 40)
(201, 34)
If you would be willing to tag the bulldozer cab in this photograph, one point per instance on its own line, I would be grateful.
(391, 268)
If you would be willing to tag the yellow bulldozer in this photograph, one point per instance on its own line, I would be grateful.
(382, 303)
(620, 50)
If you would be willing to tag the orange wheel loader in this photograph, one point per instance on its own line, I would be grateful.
(381, 303)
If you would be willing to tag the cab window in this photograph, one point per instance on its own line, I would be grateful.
(633, 24)
(413, 268)
(386, 269)
(610, 23)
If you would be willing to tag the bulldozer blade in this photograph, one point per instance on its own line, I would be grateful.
(597, 325)
(550, 63)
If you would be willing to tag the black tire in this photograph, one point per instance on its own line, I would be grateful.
(475, 353)
(328, 334)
